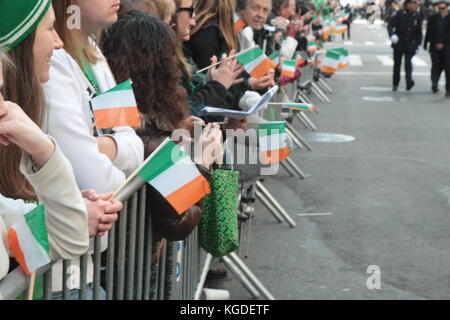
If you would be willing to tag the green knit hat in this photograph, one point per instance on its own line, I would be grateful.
(18, 18)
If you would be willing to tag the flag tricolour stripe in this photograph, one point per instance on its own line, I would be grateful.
(255, 62)
(28, 241)
(312, 47)
(116, 107)
(176, 177)
(275, 57)
(340, 28)
(331, 62)
(288, 68)
(272, 142)
(300, 106)
(239, 24)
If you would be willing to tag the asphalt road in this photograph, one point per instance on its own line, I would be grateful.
(388, 191)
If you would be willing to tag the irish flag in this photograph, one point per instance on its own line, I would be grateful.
(116, 108)
(311, 47)
(239, 24)
(300, 60)
(172, 172)
(272, 142)
(340, 28)
(255, 62)
(275, 57)
(28, 240)
(344, 60)
(288, 68)
(300, 106)
(331, 62)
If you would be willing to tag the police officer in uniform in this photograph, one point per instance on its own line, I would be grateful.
(405, 31)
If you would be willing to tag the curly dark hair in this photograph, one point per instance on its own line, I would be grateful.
(142, 48)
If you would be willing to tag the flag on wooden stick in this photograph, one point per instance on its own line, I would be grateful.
(116, 108)
(172, 172)
(28, 240)
(255, 62)
(272, 142)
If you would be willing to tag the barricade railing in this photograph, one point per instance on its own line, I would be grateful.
(133, 267)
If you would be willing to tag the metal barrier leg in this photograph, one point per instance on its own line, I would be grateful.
(239, 275)
(294, 133)
(269, 206)
(294, 138)
(205, 270)
(314, 90)
(302, 97)
(129, 289)
(316, 87)
(250, 275)
(275, 203)
(308, 121)
(295, 167)
(325, 84)
(289, 169)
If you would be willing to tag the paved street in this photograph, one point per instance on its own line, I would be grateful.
(388, 190)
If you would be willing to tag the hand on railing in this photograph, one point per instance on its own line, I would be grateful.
(102, 212)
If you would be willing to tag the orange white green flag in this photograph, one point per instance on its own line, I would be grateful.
(299, 106)
(288, 68)
(28, 240)
(171, 171)
(116, 108)
(272, 142)
(255, 62)
(331, 62)
(239, 23)
(311, 47)
(275, 57)
(340, 28)
(344, 60)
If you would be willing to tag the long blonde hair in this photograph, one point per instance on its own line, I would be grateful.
(78, 48)
(223, 11)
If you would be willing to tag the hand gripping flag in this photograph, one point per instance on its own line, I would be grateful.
(116, 108)
(28, 240)
(255, 62)
(172, 172)
(272, 142)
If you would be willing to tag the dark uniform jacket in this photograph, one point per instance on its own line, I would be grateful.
(435, 23)
(407, 25)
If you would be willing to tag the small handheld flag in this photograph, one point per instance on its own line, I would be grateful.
(116, 108)
(272, 142)
(239, 24)
(288, 68)
(28, 240)
(255, 62)
(331, 62)
(172, 172)
(275, 57)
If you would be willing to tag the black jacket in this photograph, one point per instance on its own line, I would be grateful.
(407, 25)
(444, 32)
(435, 23)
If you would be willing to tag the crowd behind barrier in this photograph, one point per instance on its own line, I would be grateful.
(134, 267)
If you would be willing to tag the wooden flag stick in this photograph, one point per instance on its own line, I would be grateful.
(134, 174)
(31, 287)
(217, 63)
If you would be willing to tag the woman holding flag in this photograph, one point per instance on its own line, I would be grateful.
(101, 159)
(47, 174)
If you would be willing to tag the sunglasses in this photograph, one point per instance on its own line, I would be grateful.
(442, 8)
(190, 10)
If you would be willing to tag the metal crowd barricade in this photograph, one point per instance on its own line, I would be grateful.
(125, 270)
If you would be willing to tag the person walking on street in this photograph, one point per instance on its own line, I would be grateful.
(443, 44)
(437, 56)
(405, 31)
